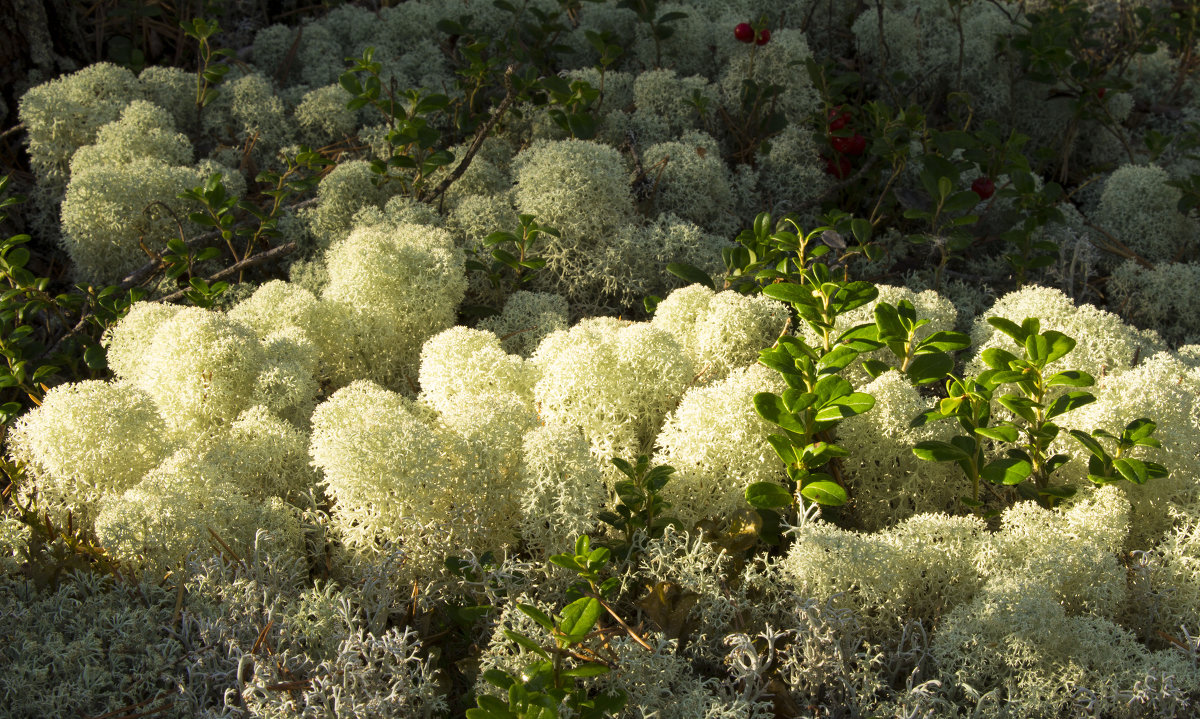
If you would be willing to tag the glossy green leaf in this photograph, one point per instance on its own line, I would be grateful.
(1089, 443)
(584, 671)
(767, 495)
(926, 417)
(825, 492)
(1009, 470)
(930, 367)
(998, 359)
(875, 368)
(838, 358)
(843, 407)
(579, 618)
(1071, 378)
(1023, 407)
(936, 451)
(887, 319)
(1001, 432)
(783, 448)
(1058, 345)
(1010, 328)
(855, 294)
(790, 292)
(1132, 469)
(832, 387)
(526, 643)
(797, 400)
(770, 407)
(946, 341)
(537, 615)
(1068, 402)
(1139, 430)
(692, 274)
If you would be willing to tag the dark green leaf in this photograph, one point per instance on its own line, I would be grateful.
(926, 417)
(584, 671)
(536, 615)
(1009, 328)
(929, 367)
(1131, 469)
(1089, 443)
(692, 274)
(767, 495)
(1068, 402)
(874, 367)
(797, 400)
(1071, 378)
(939, 452)
(783, 448)
(887, 319)
(1058, 345)
(1140, 430)
(526, 643)
(1023, 407)
(770, 407)
(946, 341)
(838, 358)
(497, 678)
(998, 359)
(1002, 432)
(579, 617)
(853, 295)
(824, 492)
(790, 292)
(1010, 470)
(961, 201)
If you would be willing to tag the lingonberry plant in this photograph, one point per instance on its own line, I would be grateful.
(817, 399)
(1030, 462)
(575, 652)
(1020, 138)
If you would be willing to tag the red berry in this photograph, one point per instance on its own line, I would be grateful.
(743, 32)
(852, 145)
(1100, 93)
(839, 168)
(984, 187)
(764, 37)
(838, 118)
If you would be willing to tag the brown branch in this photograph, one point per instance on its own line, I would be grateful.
(224, 546)
(509, 95)
(1116, 247)
(228, 272)
(149, 270)
(633, 634)
(12, 130)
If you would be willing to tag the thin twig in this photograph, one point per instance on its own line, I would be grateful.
(224, 546)
(1116, 247)
(509, 95)
(230, 271)
(12, 130)
(147, 271)
(262, 637)
(636, 637)
(124, 712)
(514, 333)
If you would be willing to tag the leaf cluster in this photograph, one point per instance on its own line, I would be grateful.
(543, 687)
(1028, 464)
(817, 399)
(640, 505)
(208, 74)
(511, 254)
